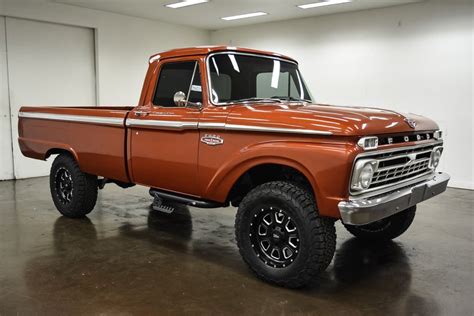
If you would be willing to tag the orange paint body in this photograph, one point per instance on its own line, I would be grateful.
(174, 158)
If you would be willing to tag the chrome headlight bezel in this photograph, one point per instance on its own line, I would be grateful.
(360, 167)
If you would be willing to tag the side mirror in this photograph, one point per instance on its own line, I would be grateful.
(179, 98)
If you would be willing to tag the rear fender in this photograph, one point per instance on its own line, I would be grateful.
(38, 149)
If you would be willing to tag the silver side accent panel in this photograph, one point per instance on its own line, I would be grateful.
(178, 125)
(156, 124)
(73, 118)
(219, 126)
(250, 128)
(206, 125)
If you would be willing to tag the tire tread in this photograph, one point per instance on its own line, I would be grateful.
(85, 186)
(322, 232)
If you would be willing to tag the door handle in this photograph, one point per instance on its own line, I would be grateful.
(141, 113)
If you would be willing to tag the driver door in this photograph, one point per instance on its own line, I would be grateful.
(164, 136)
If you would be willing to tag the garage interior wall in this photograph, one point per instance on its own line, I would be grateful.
(122, 46)
(412, 58)
(6, 158)
(57, 73)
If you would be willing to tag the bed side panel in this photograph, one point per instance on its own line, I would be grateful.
(97, 146)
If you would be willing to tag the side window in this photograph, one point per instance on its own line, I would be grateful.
(176, 77)
(195, 91)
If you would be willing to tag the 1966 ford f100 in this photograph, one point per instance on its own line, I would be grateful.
(216, 126)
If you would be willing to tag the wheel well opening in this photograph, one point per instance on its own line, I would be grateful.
(56, 151)
(266, 173)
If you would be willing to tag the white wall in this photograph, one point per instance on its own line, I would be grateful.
(123, 43)
(59, 72)
(412, 58)
(6, 158)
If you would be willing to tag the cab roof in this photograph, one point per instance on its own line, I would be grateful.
(206, 50)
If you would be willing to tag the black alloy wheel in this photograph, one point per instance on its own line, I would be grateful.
(64, 185)
(74, 192)
(281, 236)
(274, 237)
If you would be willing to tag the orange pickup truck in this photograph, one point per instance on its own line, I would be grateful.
(218, 126)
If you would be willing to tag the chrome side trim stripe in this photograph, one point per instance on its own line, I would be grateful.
(250, 128)
(220, 126)
(180, 125)
(73, 118)
(207, 125)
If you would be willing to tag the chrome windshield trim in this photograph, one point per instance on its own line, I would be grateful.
(209, 84)
(180, 125)
(73, 118)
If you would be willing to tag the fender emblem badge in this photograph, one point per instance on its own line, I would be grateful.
(212, 140)
(412, 123)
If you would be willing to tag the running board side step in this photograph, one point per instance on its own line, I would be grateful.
(184, 199)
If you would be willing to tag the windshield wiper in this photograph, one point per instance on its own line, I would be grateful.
(255, 99)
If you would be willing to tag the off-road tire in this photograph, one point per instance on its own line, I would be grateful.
(385, 229)
(317, 235)
(82, 194)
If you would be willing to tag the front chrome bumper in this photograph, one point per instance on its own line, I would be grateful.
(361, 211)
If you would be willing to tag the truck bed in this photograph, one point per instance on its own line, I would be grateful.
(96, 136)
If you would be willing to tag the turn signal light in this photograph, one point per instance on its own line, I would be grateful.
(438, 135)
(371, 142)
(435, 157)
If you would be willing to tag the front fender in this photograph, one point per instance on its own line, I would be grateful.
(326, 165)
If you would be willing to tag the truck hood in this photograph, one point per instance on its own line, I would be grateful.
(337, 120)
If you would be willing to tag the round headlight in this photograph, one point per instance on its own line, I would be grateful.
(362, 174)
(365, 176)
(435, 157)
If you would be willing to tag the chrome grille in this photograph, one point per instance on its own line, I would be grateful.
(400, 165)
(400, 172)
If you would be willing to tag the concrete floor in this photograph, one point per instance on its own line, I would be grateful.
(124, 259)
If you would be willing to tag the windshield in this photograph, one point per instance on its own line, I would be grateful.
(240, 78)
